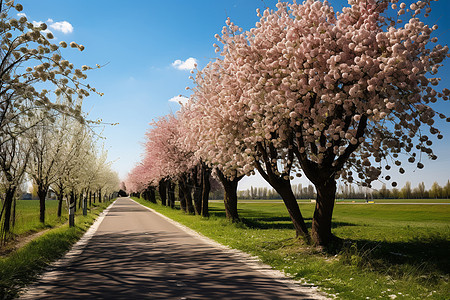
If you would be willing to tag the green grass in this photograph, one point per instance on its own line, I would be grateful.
(390, 250)
(397, 200)
(346, 201)
(22, 266)
(27, 216)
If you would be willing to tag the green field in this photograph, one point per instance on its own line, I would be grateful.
(390, 251)
(27, 216)
(397, 200)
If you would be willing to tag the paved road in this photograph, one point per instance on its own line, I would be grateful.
(137, 254)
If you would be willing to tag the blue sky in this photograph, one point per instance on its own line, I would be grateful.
(139, 41)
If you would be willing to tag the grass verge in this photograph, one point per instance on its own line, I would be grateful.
(391, 251)
(24, 265)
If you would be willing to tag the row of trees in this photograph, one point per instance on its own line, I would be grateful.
(44, 136)
(307, 91)
(169, 162)
(348, 191)
(419, 192)
(300, 192)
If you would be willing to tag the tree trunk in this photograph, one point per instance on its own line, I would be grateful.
(171, 194)
(100, 200)
(85, 202)
(206, 188)
(6, 213)
(197, 181)
(90, 198)
(42, 193)
(323, 213)
(181, 195)
(188, 195)
(80, 203)
(285, 191)
(283, 187)
(95, 194)
(72, 206)
(14, 212)
(75, 202)
(162, 189)
(60, 201)
(151, 194)
(230, 195)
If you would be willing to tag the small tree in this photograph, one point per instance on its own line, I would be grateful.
(406, 191)
(13, 159)
(201, 118)
(435, 191)
(46, 144)
(420, 191)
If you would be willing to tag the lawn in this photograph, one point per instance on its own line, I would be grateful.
(27, 216)
(390, 251)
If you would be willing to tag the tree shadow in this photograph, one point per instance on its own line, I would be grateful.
(157, 265)
(267, 221)
(282, 223)
(416, 257)
(219, 212)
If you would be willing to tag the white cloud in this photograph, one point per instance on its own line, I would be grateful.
(179, 99)
(37, 24)
(188, 64)
(21, 15)
(64, 26)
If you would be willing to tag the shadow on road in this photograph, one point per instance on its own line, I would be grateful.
(158, 264)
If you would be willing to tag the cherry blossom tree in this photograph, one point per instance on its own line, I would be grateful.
(201, 173)
(142, 181)
(208, 128)
(228, 131)
(136, 181)
(168, 159)
(345, 93)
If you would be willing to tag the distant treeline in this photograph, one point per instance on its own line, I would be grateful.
(407, 192)
(348, 192)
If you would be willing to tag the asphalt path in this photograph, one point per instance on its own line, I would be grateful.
(136, 253)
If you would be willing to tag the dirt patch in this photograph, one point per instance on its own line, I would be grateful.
(19, 241)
